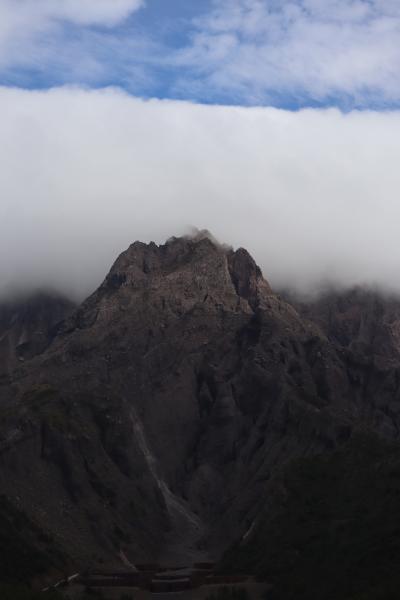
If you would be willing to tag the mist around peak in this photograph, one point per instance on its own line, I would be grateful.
(312, 195)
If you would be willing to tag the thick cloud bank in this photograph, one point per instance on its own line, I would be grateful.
(314, 195)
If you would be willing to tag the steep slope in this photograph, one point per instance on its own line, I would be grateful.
(330, 526)
(364, 327)
(169, 400)
(364, 321)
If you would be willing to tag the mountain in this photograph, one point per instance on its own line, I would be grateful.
(366, 322)
(329, 528)
(159, 420)
(28, 323)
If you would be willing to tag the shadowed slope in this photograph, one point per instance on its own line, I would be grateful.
(178, 389)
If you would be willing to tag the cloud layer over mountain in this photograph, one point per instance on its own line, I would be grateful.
(313, 194)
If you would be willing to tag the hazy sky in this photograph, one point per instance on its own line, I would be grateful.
(302, 168)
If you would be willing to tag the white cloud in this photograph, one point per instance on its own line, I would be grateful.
(30, 30)
(313, 195)
(88, 12)
(342, 52)
(317, 49)
(83, 12)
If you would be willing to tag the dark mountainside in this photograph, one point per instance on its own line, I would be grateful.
(184, 408)
(28, 324)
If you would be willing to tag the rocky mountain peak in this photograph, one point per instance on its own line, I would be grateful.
(196, 266)
(162, 412)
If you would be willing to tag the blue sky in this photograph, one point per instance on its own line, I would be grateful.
(288, 54)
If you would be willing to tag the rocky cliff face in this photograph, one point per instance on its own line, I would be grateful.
(155, 420)
(362, 321)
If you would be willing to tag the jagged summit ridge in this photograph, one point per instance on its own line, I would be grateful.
(196, 266)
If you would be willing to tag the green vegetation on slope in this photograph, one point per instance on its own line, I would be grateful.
(331, 530)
